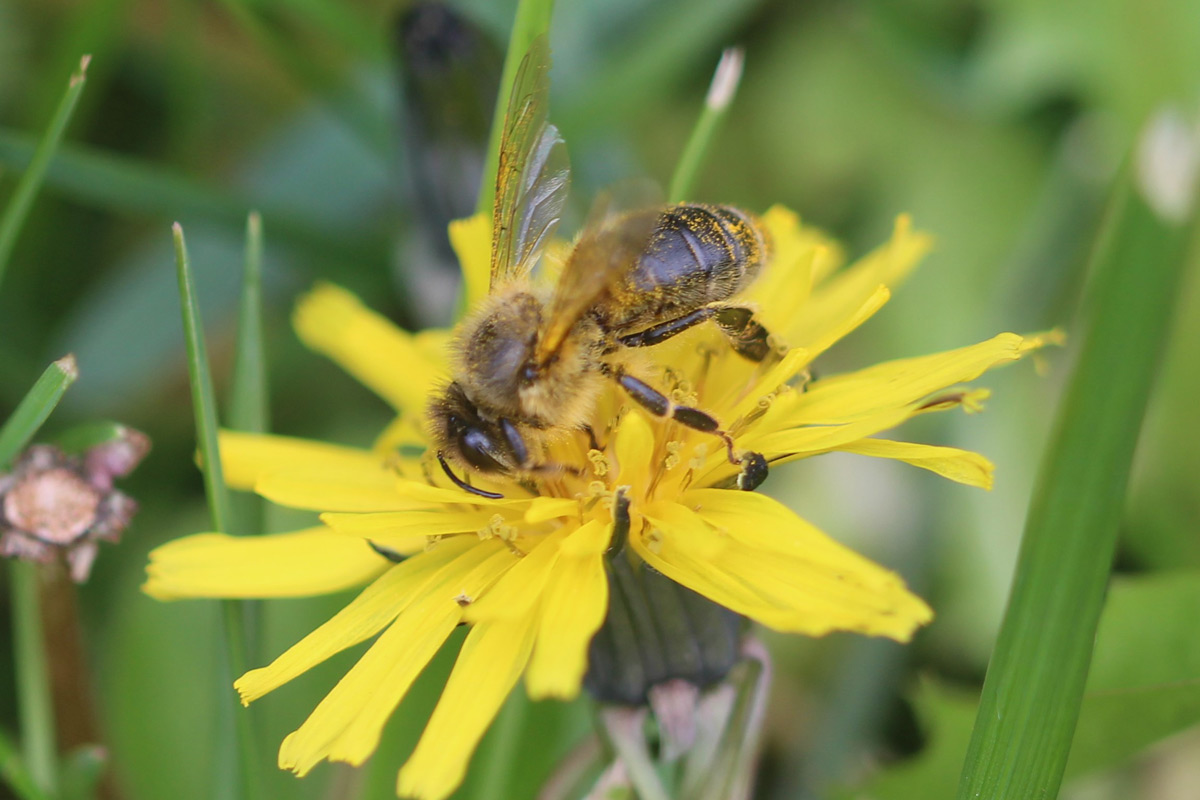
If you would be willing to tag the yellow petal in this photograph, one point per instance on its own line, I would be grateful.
(783, 287)
(332, 489)
(843, 398)
(778, 375)
(789, 576)
(835, 298)
(471, 239)
(841, 327)
(366, 615)
(632, 446)
(812, 439)
(402, 446)
(299, 564)
(345, 726)
(962, 466)
(247, 457)
(521, 586)
(491, 661)
(573, 606)
(589, 539)
(403, 524)
(382, 357)
(542, 509)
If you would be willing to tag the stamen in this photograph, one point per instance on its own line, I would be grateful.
(498, 529)
(672, 459)
(599, 462)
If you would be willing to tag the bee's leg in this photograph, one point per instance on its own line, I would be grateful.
(746, 335)
(753, 465)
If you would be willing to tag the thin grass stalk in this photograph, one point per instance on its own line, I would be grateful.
(532, 20)
(14, 774)
(204, 405)
(249, 408)
(35, 407)
(249, 405)
(721, 92)
(31, 180)
(1034, 685)
(34, 702)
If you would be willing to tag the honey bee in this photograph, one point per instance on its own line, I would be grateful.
(532, 363)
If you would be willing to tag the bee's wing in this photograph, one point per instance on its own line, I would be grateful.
(533, 172)
(606, 251)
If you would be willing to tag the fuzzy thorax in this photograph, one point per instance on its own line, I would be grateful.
(497, 371)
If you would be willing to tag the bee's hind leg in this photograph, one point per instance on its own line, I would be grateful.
(753, 465)
(747, 336)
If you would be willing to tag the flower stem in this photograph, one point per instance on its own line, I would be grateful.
(721, 92)
(532, 20)
(14, 774)
(33, 687)
(1034, 686)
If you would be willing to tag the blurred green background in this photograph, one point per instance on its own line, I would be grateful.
(997, 125)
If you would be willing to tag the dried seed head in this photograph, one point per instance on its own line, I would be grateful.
(54, 503)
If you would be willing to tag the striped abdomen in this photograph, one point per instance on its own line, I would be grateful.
(697, 255)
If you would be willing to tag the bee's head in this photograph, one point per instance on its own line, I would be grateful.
(459, 430)
(495, 349)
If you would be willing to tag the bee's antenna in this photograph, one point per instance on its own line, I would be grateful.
(460, 483)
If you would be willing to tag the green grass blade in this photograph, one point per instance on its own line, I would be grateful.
(1032, 693)
(720, 96)
(14, 774)
(77, 439)
(127, 185)
(31, 181)
(496, 762)
(202, 389)
(205, 408)
(249, 402)
(361, 116)
(532, 20)
(35, 408)
(249, 408)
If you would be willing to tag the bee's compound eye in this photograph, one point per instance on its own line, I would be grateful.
(477, 448)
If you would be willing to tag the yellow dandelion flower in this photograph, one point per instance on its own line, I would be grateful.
(532, 571)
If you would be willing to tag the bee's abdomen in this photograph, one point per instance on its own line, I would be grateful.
(698, 254)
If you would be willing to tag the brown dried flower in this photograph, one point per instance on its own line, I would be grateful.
(53, 502)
